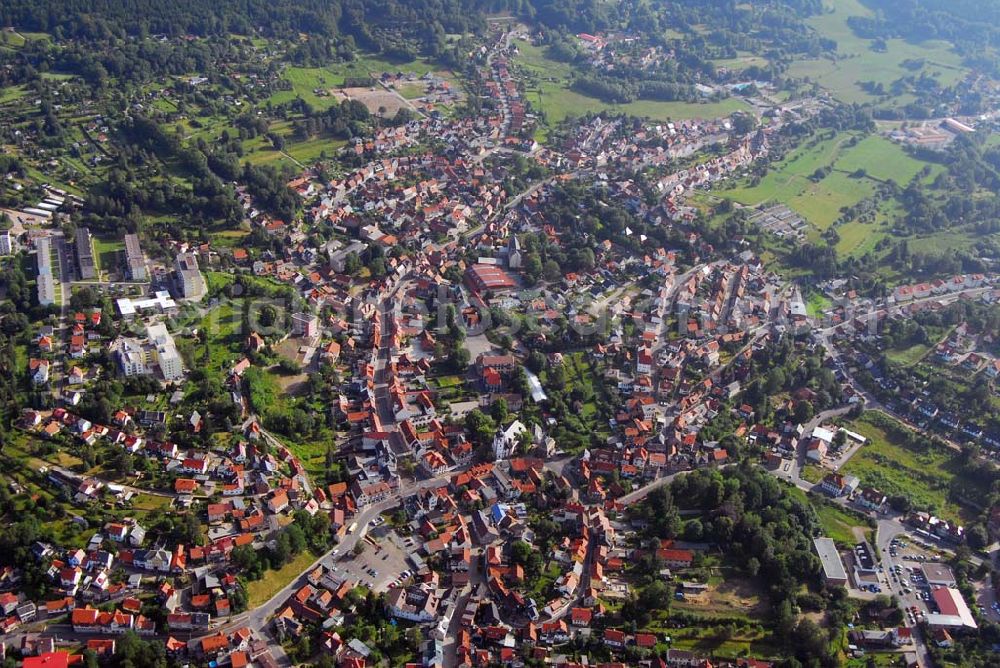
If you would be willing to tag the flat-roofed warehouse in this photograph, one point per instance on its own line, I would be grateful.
(833, 567)
(938, 575)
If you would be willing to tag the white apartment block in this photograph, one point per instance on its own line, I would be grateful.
(164, 352)
(190, 282)
(7, 243)
(46, 282)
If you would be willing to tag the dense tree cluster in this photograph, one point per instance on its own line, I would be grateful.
(768, 534)
(972, 25)
(399, 29)
(305, 533)
(342, 121)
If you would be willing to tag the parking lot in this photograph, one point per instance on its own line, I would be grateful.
(379, 566)
(986, 599)
(909, 563)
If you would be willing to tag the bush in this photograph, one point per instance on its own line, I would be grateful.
(289, 367)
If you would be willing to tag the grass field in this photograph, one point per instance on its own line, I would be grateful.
(221, 328)
(150, 502)
(15, 39)
(268, 156)
(313, 149)
(880, 159)
(550, 93)
(857, 164)
(728, 590)
(715, 641)
(788, 182)
(218, 280)
(261, 591)
(908, 356)
(106, 252)
(263, 390)
(412, 91)
(260, 151)
(307, 80)
(163, 104)
(817, 303)
(741, 61)
(857, 238)
(857, 62)
(229, 238)
(950, 239)
(312, 454)
(812, 473)
(540, 587)
(12, 93)
(12, 39)
(925, 476)
(821, 203)
(838, 524)
(580, 372)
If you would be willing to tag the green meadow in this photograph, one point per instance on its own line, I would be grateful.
(856, 61)
(306, 81)
(856, 166)
(549, 92)
(925, 474)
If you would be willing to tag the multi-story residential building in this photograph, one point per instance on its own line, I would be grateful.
(190, 282)
(7, 243)
(164, 352)
(46, 282)
(135, 262)
(85, 255)
(136, 358)
(305, 325)
(130, 356)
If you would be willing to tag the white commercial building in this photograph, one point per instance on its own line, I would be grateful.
(833, 567)
(160, 302)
